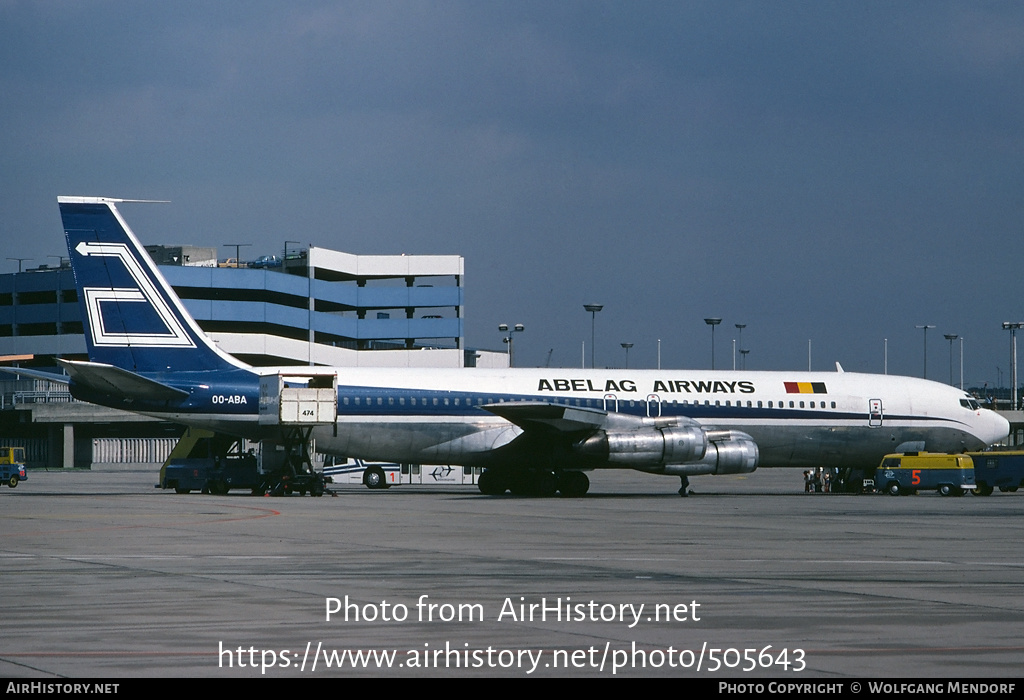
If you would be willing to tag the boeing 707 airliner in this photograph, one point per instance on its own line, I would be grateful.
(535, 431)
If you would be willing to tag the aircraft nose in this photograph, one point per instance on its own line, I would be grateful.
(996, 428)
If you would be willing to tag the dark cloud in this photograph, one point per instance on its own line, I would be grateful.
(834, 171)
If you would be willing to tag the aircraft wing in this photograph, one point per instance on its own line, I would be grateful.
(549, 417)
(114, 381)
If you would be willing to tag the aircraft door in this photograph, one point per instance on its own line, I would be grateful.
(875, 413)
(611, 403)
(653, 406)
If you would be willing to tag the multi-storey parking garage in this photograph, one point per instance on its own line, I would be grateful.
(315, 307)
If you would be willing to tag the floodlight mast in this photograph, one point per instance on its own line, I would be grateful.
(593, 309)
(712, 322)
(504, 328)
(1013, 327)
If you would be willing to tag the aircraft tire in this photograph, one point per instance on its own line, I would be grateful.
(521, 485)
(545, 483)
(13, 482)
(491, 483)
(573, 484)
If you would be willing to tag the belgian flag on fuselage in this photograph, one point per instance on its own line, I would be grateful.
(805, 388)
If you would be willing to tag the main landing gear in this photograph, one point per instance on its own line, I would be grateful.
(296, 473)
(684, 485)
(533, 482)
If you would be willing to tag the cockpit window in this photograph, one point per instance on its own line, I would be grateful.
(970, 404)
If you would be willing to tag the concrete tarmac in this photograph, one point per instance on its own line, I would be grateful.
(750, 578)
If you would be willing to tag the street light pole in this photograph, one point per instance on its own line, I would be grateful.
(738, 343)
(626, 347)
(950, 337)
(504, 328)
(712, 322)
(925, 329)
(962, 362)
(1013, 327)
(593, 309)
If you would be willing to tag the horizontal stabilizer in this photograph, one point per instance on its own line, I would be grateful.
(37, 374)
(107, 379)
(534, 415)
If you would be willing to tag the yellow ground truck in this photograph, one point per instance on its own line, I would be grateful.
(12, 466)
(901, 474)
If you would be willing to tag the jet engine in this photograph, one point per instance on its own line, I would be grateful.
(678, 450)
(728, 452)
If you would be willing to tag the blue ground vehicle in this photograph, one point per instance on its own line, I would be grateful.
(1002, 470)
(12, 466)
(216, 475)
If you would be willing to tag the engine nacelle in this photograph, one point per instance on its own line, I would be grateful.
(728, 452)
(650, 447)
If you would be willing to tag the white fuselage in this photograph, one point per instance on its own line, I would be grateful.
(797, 419)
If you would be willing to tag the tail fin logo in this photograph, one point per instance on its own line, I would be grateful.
(173, 333)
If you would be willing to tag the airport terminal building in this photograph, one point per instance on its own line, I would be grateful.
(315, 307)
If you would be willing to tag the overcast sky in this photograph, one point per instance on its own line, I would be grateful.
(832, 171)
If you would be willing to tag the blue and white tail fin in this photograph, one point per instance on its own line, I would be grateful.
(131, 316)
